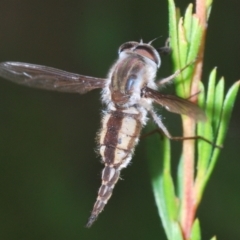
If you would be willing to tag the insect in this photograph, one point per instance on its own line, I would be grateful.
(128, 92)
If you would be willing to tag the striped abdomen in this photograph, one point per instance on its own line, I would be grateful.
(117, 139)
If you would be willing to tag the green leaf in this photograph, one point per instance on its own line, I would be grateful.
(195, 40)
(205, 129)
(209, 7)
(218, 103)
(214, 238)
(224, 121)
(168, 185)
(196, 231)
(183, 47)
(154, 152)
(180, 178)
(211, 95)
(188, 21)
(218, 112)
(173, 32)
(185, 50)
(164, 193)
(163, 187)
(227, 111)
(176, 232)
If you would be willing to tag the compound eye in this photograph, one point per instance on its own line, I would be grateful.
(127, 46)
(148, 51)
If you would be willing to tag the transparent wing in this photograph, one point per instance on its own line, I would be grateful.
(176, 104)
(49, 78)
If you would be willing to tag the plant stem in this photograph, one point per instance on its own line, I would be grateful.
(189, 203)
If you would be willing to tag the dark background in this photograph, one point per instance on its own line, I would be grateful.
(49, 172)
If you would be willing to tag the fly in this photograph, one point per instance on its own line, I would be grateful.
(128, 93)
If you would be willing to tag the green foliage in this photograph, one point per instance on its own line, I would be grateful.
(182, 33)
(196, 231)
(186, 35)
(218, 112)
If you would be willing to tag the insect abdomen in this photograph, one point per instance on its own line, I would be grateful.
(118, 137)
(117, 140)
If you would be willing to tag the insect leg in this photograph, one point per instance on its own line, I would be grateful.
(157, 130)
(164, 130)
(171, 77)
(165, 49)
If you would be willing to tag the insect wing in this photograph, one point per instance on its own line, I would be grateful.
(49, 78)
(176, 104)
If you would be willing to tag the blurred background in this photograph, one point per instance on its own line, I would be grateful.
(49, 171)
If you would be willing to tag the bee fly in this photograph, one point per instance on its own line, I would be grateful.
(128, 92)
